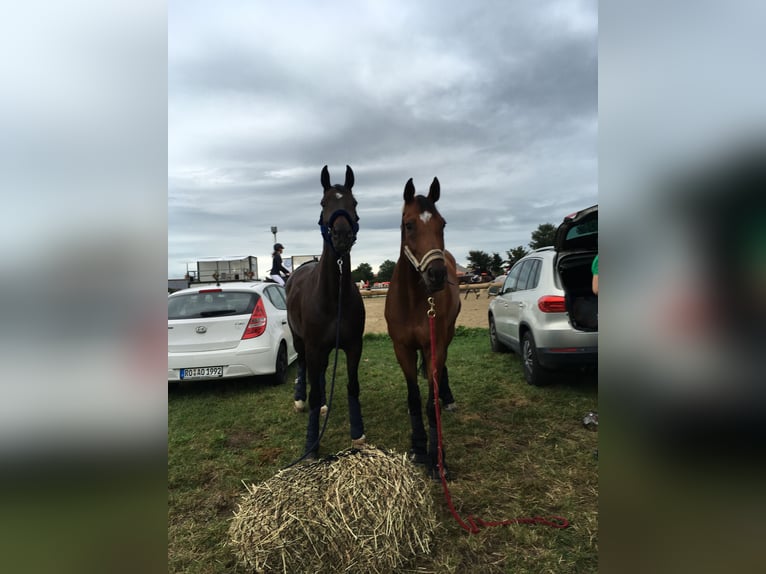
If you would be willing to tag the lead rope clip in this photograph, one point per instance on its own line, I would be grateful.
(432, 309)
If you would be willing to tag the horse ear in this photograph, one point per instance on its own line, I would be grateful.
(433, 193)
(349, 178)
(409, 191)
(325, 178)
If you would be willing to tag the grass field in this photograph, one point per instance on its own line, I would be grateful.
(516, 451)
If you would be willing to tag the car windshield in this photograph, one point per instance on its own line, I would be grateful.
(215, 304)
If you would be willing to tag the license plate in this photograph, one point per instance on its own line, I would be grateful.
(200, 372)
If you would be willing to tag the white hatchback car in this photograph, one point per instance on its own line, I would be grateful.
(229, 330)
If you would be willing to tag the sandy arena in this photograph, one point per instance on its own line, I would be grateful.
(473, 312)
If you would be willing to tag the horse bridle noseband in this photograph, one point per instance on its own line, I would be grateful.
(428, 258)
(326, 229)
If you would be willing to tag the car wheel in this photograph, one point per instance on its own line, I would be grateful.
(494, 342)
(534, 373)
(280, 368)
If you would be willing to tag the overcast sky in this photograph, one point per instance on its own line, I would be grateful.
(498, 99)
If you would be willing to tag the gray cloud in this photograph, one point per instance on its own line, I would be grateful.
(498, 100)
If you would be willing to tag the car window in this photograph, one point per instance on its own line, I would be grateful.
(582, 235)
(215, 304)
(531, 273)
(534, 278)
(276, 294)
(526, 268)
(513, 276)
(587, 227)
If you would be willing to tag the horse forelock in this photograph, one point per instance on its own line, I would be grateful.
(425, 204)
(340, 188)
(340, 193)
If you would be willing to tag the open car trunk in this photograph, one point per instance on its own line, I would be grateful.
(576, 244)
(576, 280)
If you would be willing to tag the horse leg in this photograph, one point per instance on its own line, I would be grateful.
(353, 356)
(433, 434)
(445, 393)
(299, 392)
(316, 364)
(323, 391)
(408, 360)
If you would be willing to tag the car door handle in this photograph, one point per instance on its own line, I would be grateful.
(521, 305)
(284, 321)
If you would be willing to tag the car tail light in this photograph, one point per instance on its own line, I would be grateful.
(257, 323)
(552, 304)
(210, 290)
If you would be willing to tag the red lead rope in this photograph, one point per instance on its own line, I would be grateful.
(473, 525)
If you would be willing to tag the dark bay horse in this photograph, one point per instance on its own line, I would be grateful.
(424, 270)
(324, 307)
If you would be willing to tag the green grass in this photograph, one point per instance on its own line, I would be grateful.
(516, 450)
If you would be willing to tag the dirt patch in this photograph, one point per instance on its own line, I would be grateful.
(242, 439)
(473, 312)
(269, 455)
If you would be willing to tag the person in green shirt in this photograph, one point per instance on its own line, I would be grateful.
(594, 270)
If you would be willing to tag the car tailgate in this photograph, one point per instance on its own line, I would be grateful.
(209, 334)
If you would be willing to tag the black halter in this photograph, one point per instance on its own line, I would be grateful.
(326, 228)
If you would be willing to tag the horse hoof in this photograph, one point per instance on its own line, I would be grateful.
(299, 406)
(323, 410)
(357, 442)
(450, 406)
(434, 474)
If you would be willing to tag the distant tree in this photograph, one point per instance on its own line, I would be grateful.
(515, 254)
(362, 273)
(543, 236)
(386, 270)
(496, 266)
(479, 261)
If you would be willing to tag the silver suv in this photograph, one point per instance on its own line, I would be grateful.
(546, 311)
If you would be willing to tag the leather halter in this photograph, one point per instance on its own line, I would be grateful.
(428, 258)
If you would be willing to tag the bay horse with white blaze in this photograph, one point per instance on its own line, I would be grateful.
(325, 309)
(424, 270)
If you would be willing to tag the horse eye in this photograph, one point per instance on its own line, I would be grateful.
(409, 226)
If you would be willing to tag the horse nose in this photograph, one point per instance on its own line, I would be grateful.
(345, 233)
(437, 275)
(343, 236)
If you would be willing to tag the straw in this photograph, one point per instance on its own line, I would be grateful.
(360, 510)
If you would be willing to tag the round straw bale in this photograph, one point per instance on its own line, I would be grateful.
(360, 510)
